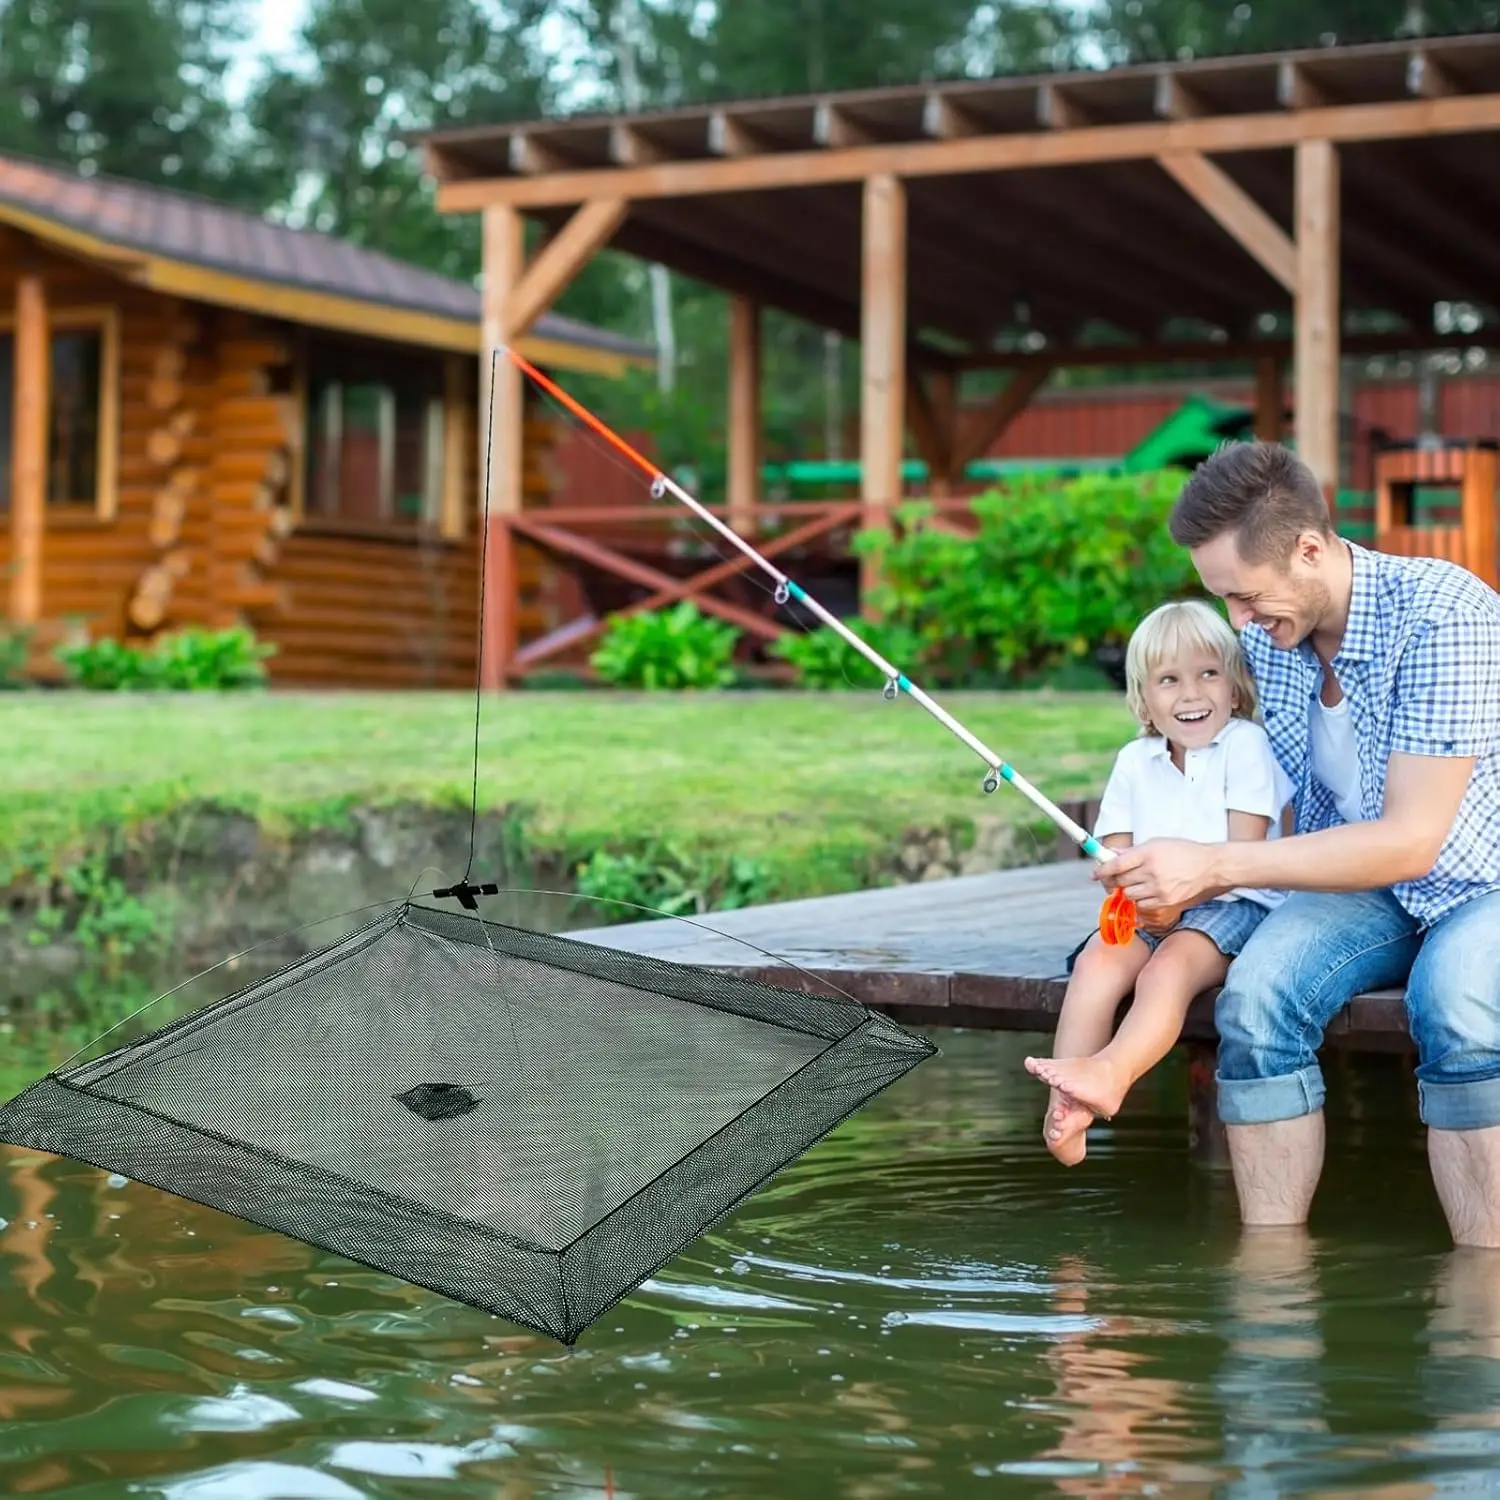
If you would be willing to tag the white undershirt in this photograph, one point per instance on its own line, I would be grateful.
(1335, 757)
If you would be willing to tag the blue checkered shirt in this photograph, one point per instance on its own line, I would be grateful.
(1420, 666)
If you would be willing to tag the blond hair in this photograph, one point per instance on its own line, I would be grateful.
(1178, 626)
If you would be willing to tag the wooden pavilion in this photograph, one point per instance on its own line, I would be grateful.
(1286, 210)
(210, 419)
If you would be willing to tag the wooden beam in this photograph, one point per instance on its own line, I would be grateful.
(930, 437)
(942, 118)
(501, 451)
(31, 375)
(744, 412)
(631, 148)
(1220, 195)
(569, 544)
(1058, 109)
(528, 155)
(1428, 78)
(453, 522)
(1268, 399)
(1007, 406)
(559, 261)
(1317, 317)
(1461, 115)
(882, 353)
(1174, 100)
(832, 127)
(730, 136)
(1297, 89)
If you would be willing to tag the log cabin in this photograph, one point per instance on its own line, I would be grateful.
(208, 418)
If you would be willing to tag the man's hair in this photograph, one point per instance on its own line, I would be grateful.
(1262, 492)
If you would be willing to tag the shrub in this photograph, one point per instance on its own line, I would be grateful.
(667, 880)
(673, 648)
(823, 659)
(190, 660)
(1056, 572)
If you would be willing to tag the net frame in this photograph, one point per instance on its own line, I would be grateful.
(559, 1290)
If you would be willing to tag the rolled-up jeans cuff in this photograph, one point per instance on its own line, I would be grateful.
(1471, 1105)
(1259, 1101)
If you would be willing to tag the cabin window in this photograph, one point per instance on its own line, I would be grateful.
(79, 411)
(374, 438)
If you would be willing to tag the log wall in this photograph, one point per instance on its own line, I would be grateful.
(210, 441)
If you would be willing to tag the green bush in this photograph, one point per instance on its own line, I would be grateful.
(823, 659)
(1056, 571)
(190, 660)
(673, 648)
(665, 879)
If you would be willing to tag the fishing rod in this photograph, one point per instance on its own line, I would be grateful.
(1117, 917)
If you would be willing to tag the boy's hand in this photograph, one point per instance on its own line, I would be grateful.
(1159, 919)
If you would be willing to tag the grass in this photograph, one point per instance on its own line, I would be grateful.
(808, 784)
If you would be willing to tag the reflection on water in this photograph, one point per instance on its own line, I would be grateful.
(924, 1305)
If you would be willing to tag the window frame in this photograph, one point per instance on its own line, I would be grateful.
(105, 317)
(441, 425)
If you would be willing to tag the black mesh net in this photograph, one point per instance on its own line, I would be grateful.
(527, 1123)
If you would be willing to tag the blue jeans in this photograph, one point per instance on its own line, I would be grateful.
(1314, 954)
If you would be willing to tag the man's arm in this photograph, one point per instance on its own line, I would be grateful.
(1422, 798)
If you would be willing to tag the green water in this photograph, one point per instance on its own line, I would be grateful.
(923, 1305)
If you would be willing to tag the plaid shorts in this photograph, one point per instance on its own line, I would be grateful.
(1228, 924)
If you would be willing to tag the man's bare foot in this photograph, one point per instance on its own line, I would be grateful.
(1093, 1082)
(1065, 1129)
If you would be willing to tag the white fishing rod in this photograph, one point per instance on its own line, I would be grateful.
(1118, 916)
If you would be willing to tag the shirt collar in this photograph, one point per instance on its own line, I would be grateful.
(1159, 749)
(1361, 631)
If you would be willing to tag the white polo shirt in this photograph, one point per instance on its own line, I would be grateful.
(1147, 797)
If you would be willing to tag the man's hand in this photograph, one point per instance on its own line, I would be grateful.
(1173, 873)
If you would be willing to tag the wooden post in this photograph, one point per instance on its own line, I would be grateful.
(882, 354)
(32, 374)
(1268, 399)
(1207, 1142)
(1477, 503)
(744, 412)
(1316, 356)
(501, 454)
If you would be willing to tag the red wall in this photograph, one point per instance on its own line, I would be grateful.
(1101, 422)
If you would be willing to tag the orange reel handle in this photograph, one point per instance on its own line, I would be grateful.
(1117, 919)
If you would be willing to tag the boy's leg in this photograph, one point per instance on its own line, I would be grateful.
(1185, 965)
(1453, 1011)
(1102, 976)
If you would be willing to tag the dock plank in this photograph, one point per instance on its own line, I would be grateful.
(985, 951)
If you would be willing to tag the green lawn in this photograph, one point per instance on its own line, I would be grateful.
(798, 781)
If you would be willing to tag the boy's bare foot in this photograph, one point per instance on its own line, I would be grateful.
(1065, 1129)
(1095, 1083)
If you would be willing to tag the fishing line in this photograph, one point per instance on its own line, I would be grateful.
(1117, 917)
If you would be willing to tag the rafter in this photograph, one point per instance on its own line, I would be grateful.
(1462, 114)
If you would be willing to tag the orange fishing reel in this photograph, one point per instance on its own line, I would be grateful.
(1117, 919)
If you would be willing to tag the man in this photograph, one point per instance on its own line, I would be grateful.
(1379, 678)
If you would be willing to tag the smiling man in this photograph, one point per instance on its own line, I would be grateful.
(1379, 678)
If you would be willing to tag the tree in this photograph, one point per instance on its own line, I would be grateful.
(331, 133)
(133, 88)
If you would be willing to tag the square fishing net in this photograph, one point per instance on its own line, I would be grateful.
(526, 1123)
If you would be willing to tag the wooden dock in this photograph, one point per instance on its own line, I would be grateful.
(984, 951)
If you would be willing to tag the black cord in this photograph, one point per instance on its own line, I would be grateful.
(484, 547)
